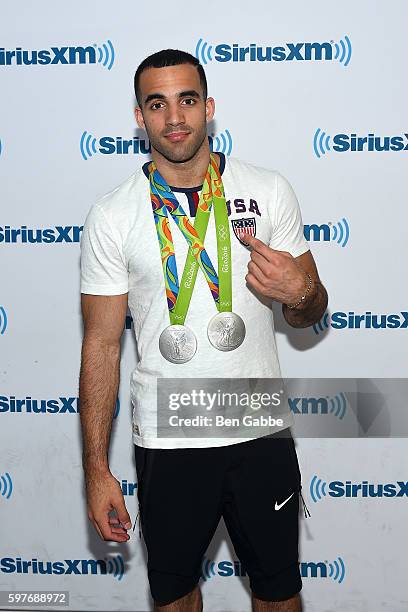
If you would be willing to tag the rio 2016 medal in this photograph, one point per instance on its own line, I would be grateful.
(226, 331)
(177, 343)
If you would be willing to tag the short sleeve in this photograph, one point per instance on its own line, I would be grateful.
(103, 265)
(287, 223)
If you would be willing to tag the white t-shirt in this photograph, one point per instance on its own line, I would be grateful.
(120, 253)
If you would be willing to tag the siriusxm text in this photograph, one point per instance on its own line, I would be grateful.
(49, 235)
(368, 320)
(309, 405)
(43, 57)
(308, 569)
(39, 406)
(302, 51)
(337, 488)
(371, 142)
(17, 565)
(108, 145)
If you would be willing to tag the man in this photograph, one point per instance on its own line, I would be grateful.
(186, 485)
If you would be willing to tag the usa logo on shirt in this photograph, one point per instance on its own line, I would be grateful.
(242, 227)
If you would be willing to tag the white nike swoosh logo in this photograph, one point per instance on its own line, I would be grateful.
(279, 506)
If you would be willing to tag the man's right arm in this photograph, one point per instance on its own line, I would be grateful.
(104, 319)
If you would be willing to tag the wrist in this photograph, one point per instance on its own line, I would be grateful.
(307, 295)
(95, 467)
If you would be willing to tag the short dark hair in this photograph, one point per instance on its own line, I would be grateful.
(169, 57)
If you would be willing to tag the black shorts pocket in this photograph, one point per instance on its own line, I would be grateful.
(295, 462)
(144, 461)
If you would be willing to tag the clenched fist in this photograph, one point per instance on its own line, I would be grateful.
(274, 274)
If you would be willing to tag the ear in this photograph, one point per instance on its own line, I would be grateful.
(209, 108)
(139, 118)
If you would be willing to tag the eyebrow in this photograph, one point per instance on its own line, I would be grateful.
(191, 93)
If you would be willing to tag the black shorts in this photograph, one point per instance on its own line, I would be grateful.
(253, 485)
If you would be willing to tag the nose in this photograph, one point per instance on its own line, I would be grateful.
(175, 114)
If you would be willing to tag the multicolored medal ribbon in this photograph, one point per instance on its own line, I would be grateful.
(226, 330)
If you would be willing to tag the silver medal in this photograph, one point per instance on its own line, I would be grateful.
(177, 343)
(226, 331)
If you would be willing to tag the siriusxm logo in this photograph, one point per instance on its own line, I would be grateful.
(340, 143)
(337, 232)
(28, 405)
(308, 569)
(39, 406)
(368, 320)
(128, 488)
(301, 51)
(6, 485)
(108, 145)
(336, 405)
(335, 570)
(49, 235)
(79, 567)
(337, 488)
(116, 145)
(92, 54)
(221, 143)
(224, 569)
(3, 320)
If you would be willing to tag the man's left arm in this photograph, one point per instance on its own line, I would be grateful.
(314, 306)
(284, 278)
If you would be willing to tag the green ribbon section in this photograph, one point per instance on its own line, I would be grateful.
(212, 195)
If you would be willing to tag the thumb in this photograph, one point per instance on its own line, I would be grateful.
(122, 513)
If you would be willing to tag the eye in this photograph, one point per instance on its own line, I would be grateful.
(156, 105)
(189, 101)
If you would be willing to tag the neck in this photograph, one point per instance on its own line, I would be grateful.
(184, 174)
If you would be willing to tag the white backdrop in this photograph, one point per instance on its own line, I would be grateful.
(58, 123)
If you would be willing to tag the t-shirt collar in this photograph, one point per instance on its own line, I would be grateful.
(145, 169)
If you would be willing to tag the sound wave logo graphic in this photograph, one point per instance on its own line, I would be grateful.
(338, 405)
(6, 485)
(116, 567)
(317, 488)
(343, 51)
(341, 232)
(221, 143)
(203, 51)
(207, 569)
(106, 54)
(3, 320)
(87, 145)
(321, 143)
(337, 570)
(323, 324)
